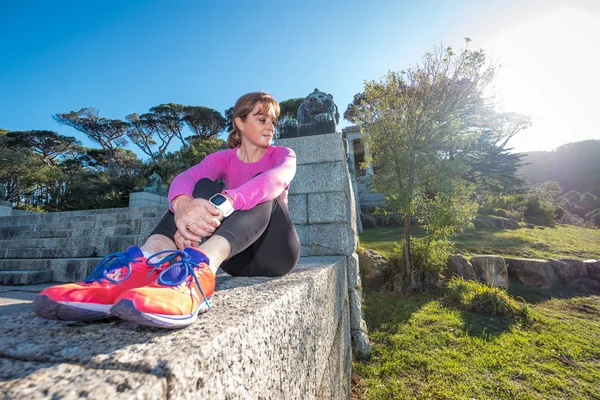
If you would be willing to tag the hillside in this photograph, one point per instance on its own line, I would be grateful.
(576, 166)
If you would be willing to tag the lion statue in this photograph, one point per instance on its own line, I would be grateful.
(318, 106)
(153, 185)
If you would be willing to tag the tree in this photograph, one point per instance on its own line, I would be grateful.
(144, 130)
(108, 133)
(48, 144)
(203, 121)
(419, 124)
(229, 118)
(169, 120)
(289, 108)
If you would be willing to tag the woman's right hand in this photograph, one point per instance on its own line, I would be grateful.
(195, 218)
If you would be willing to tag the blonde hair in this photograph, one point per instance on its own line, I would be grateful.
(244, 106)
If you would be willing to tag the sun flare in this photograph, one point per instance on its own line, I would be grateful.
(547, 72)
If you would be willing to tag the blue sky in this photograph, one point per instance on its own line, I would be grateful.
(127, 56)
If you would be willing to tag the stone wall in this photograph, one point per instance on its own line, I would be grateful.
(285, 338)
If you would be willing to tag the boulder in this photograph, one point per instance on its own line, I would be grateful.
(491, 270)
(593, 269)
(579, 270)
(538, 273)
(368, 222)
(564, 271)
(374, 268)
(458, 265)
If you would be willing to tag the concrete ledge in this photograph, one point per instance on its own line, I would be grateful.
(265, 338)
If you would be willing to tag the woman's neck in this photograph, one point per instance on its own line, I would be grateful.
(250, 154)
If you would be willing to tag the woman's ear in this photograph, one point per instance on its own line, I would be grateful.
(239, 123)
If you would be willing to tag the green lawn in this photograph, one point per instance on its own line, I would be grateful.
(563, 241)
(425, 349)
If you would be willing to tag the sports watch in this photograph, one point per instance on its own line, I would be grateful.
(222, 203)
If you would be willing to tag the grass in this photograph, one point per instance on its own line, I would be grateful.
(426, 347)
(562, 241)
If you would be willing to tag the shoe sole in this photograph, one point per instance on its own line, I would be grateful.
(125, 309)
(44, 307)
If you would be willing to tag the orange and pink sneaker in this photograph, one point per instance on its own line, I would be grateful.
(181, 292)
(92, 299)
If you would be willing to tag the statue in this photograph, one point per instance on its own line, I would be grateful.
(317, 106)
(153, 185)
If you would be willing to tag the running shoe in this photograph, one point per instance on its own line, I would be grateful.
(92, 299)
(181, 292)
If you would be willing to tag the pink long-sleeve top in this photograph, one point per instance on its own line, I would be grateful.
(277, 169)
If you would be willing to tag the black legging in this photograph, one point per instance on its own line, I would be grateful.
(263, 239)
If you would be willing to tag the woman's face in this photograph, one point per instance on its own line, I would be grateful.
(258, 128)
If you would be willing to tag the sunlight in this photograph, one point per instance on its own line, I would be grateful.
(547, 72)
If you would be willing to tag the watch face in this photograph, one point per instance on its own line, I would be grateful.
(218, 199)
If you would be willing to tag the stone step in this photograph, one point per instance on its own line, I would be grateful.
(88, 215)
(25, 277)
(68, 247)
(74, 224)
(60, 269)
(85, 229)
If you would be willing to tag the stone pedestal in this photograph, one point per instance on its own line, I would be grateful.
(146, 199)
(5, 208)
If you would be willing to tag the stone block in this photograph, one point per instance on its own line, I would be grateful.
(298, 207)
(34, 380)
(335, 381)
(262, 332)
(328, 208)
(327, 239)
(320, 178)
(316, 149)
(5, 208)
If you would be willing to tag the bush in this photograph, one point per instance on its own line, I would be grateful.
(594, 216)
(485, 299)
(539, 213)
(436, 259)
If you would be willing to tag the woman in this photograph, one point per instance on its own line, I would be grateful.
(246, 230)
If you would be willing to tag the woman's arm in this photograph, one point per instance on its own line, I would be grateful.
(269, 184)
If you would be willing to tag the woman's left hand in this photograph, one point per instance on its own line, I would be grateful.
(182, 242)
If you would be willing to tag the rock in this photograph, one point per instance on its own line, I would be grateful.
(529, 226)
(458, 265)
(593, 269)
(563, 270)
(579, 270)
(538, 273)
(368, 222)
(360, 340)
(374, 268)
(398, 283)
(491, 270)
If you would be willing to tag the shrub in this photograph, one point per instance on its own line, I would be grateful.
(539, 212)
(594, 216)
(485, 299)
(432, 260)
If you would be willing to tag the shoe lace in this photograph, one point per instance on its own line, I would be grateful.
(110, 263)
(185, 262)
